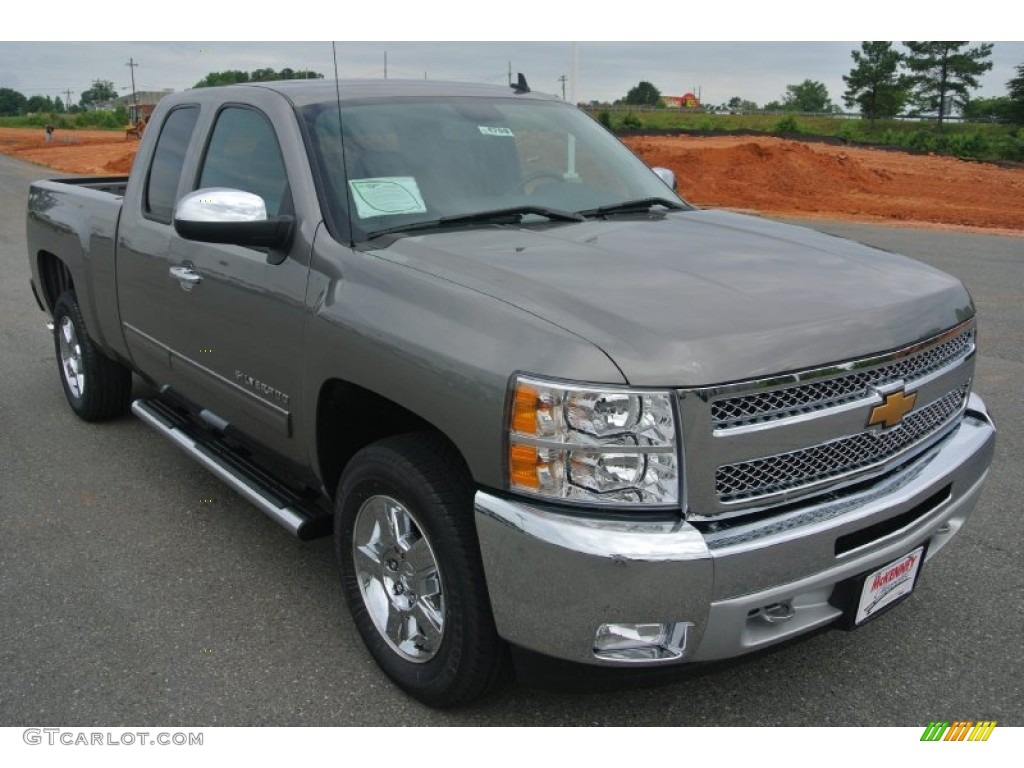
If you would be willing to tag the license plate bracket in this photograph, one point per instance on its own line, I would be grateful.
(870, 594)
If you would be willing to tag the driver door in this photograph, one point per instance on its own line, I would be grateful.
(236, 319)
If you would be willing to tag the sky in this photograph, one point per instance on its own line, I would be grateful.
(433, 40)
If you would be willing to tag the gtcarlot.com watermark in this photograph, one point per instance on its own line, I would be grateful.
(72, 738)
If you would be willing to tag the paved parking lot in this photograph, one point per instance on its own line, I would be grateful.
(126, 599)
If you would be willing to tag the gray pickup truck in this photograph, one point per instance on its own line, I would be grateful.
(540, 400)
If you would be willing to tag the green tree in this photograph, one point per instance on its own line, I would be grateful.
(266, 74)
(874, 84)
(998, 109)
(227, 77)
(101, 90)
(808, 96)
(39, 104)
(1016, 96)
(736, 104)
(943, 73)
(11, 101)
(643, 93)
(58, 104)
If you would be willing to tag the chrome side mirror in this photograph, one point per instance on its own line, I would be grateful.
(233, 217)
(220, 205)
(667, 176)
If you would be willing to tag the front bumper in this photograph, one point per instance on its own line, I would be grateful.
(555, 578)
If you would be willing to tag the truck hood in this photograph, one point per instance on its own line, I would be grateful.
(700, 297)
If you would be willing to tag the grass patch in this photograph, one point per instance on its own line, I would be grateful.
(101, 120)
(973, 141)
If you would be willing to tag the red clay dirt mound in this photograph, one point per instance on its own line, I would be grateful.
(120, 166)
(100, 153)
(791, 178)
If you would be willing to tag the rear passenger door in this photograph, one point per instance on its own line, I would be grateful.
(143, 247)
(236, 335)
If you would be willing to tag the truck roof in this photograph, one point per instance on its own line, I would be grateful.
(304, 92)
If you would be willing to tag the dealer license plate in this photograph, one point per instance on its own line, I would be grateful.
(888, 584)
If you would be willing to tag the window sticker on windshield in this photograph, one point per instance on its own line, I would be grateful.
(386, 196)
(492, 131)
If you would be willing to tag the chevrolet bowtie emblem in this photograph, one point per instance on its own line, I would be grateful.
(892, 410)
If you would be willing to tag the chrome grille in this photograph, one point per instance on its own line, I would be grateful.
(783, 403)
(748, 480)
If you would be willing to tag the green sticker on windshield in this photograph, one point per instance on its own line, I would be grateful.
(386, 196)
(498, 131)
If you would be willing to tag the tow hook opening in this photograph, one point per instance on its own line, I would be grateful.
(775, 613)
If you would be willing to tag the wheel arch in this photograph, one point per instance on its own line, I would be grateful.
(350, 417)
(54, 277)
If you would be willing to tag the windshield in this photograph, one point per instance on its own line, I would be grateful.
(403, 163)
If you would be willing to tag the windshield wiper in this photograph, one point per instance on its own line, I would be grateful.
(515, 212)
(512, 215)
(634, 206)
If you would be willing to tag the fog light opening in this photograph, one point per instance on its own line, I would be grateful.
(643, 642)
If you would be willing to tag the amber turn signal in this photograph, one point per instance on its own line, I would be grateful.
(523, 463)
(524, 409)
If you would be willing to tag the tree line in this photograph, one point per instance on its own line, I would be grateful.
(925, 78)
(14, 103)
(233, 76)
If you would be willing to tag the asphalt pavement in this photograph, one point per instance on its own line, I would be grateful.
(137, 589)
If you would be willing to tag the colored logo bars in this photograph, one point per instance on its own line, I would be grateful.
(960, 730)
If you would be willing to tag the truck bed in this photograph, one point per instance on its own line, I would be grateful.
(114, 185)
(76, 219)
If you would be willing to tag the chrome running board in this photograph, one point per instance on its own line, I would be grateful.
(302, 517)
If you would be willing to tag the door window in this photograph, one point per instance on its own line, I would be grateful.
(244, 154)
(168, 160)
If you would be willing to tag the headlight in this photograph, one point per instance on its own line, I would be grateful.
(592, 444)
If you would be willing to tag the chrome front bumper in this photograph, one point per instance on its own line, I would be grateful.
(554, 578)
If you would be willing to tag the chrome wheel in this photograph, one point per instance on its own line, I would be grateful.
(71, 357)
(411, 570)
(399, 578)
(96, 386)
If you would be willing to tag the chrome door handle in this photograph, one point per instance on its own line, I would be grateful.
(187, 276)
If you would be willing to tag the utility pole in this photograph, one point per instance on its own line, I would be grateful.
(67, 104)
(135, 98)
(385, 65)
(562, 80)
(573, 95)
(510, 74)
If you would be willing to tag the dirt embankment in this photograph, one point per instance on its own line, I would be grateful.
(766, 175)
(791, 178)
(100, 153)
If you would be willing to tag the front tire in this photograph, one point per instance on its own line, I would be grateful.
(97, 388)
(411, 569)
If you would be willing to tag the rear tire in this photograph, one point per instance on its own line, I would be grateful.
(97, 388)
(411, 569)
